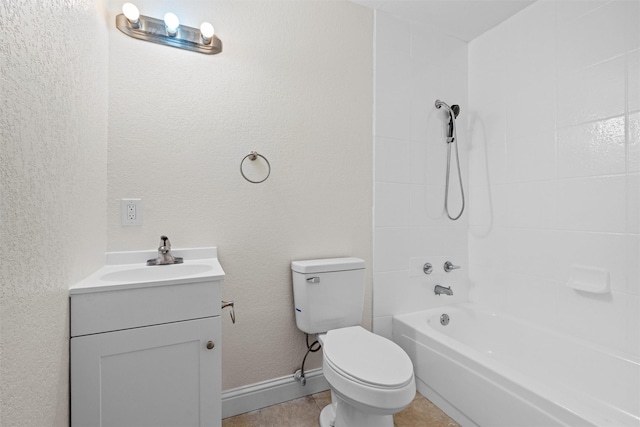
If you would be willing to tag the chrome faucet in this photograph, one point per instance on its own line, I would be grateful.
(439, 290)
(164, 251)
(164, 254)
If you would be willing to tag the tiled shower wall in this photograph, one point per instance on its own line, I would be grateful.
(553, 143)
(554, 166)
(413, 67)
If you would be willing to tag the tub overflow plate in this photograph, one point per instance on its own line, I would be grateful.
(444, 319)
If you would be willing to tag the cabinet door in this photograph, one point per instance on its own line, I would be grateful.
(161, 375)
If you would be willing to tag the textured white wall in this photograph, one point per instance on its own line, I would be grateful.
(554, 166)
(294, 83)
(53, 128)
(414, 66)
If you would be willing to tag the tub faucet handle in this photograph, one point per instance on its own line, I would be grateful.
(427, 268)
(448, 266)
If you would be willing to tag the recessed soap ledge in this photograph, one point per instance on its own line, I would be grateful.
(128, 270)
(589, 279)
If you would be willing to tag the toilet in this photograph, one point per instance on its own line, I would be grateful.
(371, 377)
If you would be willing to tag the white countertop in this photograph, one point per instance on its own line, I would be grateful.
(129, 270)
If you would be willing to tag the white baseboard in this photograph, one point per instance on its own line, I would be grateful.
(271, 392)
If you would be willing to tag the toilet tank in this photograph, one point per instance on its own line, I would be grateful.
(328, 293)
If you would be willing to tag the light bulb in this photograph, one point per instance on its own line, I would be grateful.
(206, 29)
(132, 13)
(172, 23)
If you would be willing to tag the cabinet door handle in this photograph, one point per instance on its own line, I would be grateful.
(210, 345)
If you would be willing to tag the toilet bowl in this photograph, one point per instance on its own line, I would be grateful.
(371, 378)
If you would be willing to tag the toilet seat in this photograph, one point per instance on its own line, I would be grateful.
(367, 358)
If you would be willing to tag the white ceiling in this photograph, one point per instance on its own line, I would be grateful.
(463, 19)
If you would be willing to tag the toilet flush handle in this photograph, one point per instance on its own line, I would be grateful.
(313, 280)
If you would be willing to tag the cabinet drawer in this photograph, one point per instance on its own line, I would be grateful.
(114, 310)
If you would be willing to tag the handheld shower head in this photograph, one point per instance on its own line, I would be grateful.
(456, 110)
(453, 111)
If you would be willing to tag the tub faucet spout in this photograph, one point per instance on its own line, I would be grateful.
(439, 290)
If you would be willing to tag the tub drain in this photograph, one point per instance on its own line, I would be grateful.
(444, 319)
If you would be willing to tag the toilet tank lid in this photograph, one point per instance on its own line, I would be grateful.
(327, 265)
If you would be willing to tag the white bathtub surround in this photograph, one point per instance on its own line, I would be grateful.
(515, 372)
(553, 169)
(53, 128)
(414, 66)
(552, 154)
(551, 157)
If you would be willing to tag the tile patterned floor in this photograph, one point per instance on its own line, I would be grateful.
(304, 412)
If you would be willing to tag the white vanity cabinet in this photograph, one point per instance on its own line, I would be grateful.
(147, 352)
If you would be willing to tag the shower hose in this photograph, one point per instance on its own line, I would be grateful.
(446, 191)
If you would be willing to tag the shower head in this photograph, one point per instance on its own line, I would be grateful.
(454, 110)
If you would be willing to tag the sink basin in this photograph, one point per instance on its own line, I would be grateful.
(162, 272)
(128, 270)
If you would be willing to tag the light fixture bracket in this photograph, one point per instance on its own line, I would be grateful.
(154, 30)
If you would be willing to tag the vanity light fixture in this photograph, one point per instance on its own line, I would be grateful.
(168, 31)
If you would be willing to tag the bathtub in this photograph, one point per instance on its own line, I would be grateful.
(487, 369)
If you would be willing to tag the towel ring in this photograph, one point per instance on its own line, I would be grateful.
(252, 156)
